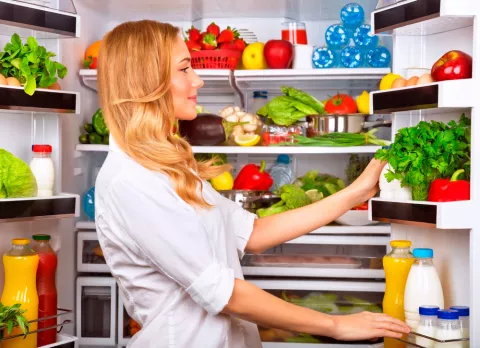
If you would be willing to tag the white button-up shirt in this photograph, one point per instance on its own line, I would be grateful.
(174, 265)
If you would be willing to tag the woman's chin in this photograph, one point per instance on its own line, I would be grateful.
(187, 116)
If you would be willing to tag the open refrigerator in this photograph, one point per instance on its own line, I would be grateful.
(341, 265)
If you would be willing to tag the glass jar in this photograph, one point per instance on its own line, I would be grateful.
(295, 32)
(43, 169)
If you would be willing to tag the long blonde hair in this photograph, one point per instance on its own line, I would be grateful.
(134, 85)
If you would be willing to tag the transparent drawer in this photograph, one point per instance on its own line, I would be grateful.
(127, 327)
(321, 256)
(89, 254)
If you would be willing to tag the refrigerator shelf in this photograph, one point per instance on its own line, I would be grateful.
(445, 215)
(27, 19)
(422, 17)
(412, 336)
(43, 100)
(85, 225)
(62, 340)
(292, 150)
(434, 97)
(63, 205)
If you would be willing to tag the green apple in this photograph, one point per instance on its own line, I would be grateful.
(253, 58)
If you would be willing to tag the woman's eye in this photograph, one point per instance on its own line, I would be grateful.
(185, 69)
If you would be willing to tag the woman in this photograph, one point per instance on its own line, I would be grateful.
(171, 241)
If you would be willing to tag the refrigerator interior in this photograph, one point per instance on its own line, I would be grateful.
(416, 45)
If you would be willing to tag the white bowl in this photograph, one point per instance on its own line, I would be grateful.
(355, 218)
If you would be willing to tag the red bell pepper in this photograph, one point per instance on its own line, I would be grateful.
(449, 190)
(253, 177)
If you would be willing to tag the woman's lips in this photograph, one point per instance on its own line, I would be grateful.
(193, 98)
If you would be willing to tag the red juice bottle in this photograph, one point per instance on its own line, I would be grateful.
(47, 290)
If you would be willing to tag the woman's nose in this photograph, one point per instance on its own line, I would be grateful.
(197, 81)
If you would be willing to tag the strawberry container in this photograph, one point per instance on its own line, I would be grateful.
(215, 59)
(274, 134)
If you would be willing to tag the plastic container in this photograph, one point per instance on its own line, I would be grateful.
(43, 169)
(426, 326)
(423, 287)
(20, 265)
(260, 98)
(336, 37)
(448, 328)
(215, 59)
(274, 134)
(352, 16)
(295, 32)
(302, 57)
(46, 288)
(89, 203)
(363, 37)
(352, 57)
(464, 317)
(379, 57)
(397, 265)
(324, 57)
(393, 190)
(281, 172)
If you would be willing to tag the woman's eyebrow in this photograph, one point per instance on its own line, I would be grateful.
(186, 59)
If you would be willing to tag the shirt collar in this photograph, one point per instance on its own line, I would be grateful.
(113, 145)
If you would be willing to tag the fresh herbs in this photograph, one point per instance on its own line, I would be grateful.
(293, 106)
(30, 64)
(10, 317)
(338, 140)
(428, 151)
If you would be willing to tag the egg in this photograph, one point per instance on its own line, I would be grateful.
(12, 81)
(3, 80)
(398, 83)
(412, 81)
(424, 79)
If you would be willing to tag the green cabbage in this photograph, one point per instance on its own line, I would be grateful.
(16, 177)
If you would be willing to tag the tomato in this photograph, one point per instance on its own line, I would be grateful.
(363, 206)
(341, 104)
(266, 139)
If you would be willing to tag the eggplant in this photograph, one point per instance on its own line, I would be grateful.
(204, 130)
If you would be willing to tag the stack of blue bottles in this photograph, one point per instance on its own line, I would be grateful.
(89, 204)
(350, 44)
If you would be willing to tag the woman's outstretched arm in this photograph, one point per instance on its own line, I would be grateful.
(274, 230)
(253, 304)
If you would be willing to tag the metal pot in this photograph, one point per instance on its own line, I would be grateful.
(352, 123)
(251, 200)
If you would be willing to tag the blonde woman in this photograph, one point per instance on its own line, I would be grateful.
(171, 241)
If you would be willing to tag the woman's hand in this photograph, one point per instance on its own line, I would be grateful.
(367, 182)
(366, 325)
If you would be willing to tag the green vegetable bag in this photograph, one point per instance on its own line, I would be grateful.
(16, 177)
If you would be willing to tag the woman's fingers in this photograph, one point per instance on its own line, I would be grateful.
(389, 334)
(384, 318)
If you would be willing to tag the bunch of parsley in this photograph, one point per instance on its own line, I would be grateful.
(426, 152)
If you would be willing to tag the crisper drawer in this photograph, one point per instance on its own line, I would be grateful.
(96, 313)
(321, 257)
(89, 254)
(331, 297)
(127, 327)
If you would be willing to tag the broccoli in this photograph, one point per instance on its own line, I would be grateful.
(292, 197)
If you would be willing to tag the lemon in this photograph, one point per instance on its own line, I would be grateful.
(363, 103)
(247, 139)
(387, 81)
(314, 195)
(222, 182)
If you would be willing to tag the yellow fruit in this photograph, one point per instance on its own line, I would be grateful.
(387, 81)
(253, 58)
(247, 139)
(222, 182)
(363, 103)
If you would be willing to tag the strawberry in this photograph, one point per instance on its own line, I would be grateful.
(193, 34)
(227, 46)
(193, 46)
(240, 44)
(213, 29)
(209, 42)
(227, 35)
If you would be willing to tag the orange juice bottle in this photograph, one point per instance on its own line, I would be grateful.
(397, 265)
(20, 265)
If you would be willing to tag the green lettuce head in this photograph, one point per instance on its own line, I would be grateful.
(16, 177)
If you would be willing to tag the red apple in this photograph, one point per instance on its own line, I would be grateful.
(278, 54)
(453, 65)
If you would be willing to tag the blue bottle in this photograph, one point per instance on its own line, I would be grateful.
(364, 39)
(352, 16)
(89, 203)
(336, 37)
(281, 172)
(324, 57)
(352, 57)
(379, 57)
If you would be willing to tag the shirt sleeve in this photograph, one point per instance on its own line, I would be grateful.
(238, 220)
(173, 238)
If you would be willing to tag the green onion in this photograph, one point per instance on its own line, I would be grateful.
(338, 140)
